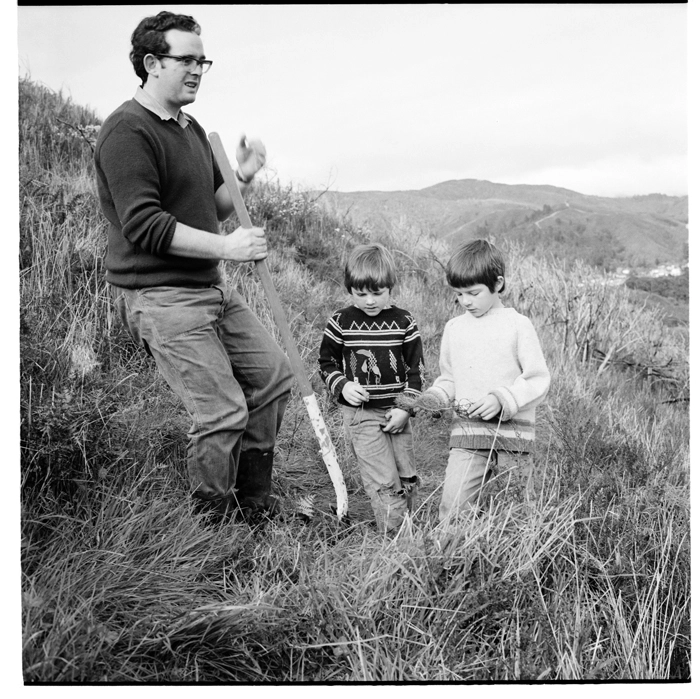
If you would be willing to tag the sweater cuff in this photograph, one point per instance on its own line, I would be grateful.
(508, 403)
(440, 394)
(167, 239)
(338, 388)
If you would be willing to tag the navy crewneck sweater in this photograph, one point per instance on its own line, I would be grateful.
(152, 174)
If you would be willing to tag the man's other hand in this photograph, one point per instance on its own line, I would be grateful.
(251, 156)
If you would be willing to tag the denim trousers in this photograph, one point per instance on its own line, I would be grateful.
(468, 470)
(386, 462)
(225, 367)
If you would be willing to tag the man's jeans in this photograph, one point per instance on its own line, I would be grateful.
(221, 362)
(386, 462)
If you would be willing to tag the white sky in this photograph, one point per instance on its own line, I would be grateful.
(359, 97)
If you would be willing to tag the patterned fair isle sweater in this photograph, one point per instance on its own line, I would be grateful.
(383, 354)
(498, 353)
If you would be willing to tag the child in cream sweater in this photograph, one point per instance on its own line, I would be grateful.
(492, 373)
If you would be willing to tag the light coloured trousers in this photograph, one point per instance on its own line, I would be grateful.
(222, 363)
(469, 470)
(386, 462)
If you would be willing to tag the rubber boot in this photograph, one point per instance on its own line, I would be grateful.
(216, 510)
(254, 484)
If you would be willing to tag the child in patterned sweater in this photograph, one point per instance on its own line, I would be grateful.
(492, 373)
(370, 354)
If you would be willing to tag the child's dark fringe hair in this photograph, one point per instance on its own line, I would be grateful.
(476, 262)
(370, 267)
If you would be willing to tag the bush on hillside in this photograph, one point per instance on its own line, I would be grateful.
(672, 287)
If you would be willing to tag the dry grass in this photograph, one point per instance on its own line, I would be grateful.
(123, 582)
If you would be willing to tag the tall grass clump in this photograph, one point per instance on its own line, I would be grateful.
(122, 581)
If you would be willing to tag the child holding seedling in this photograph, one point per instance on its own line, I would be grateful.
(370, 354)
(492, 374)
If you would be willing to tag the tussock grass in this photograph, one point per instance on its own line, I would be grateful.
(123, 582)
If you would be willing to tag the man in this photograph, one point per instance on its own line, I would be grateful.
(163, 194)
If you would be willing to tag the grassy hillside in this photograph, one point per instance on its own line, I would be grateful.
(122, 581)
(603, 232)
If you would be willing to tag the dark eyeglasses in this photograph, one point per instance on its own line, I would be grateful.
(189, 62)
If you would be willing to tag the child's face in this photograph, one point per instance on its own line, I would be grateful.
(371, 302)
(477, 299)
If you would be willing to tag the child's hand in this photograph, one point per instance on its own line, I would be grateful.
(486, 408)
(397, 420)
(354, 393)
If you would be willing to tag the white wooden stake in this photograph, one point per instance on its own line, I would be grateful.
(327, 449)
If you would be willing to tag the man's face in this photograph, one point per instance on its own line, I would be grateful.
(175, 85)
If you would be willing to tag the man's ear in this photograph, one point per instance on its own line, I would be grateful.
(151, 64)
(500, 283)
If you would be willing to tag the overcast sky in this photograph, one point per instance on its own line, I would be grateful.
(389, 97)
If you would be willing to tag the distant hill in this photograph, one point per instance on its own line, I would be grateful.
(640, 231)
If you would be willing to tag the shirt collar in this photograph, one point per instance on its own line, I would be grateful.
(153, 105)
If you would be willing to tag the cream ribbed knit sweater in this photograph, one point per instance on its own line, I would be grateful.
(498, 353)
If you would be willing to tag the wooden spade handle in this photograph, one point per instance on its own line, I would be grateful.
(231, 182)
(327, 449)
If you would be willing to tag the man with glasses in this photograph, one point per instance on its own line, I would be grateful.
(163, 195)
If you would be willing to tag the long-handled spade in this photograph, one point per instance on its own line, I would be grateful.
(327, 449)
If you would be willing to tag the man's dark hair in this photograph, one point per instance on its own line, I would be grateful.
(149, 37)
(477, 262)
